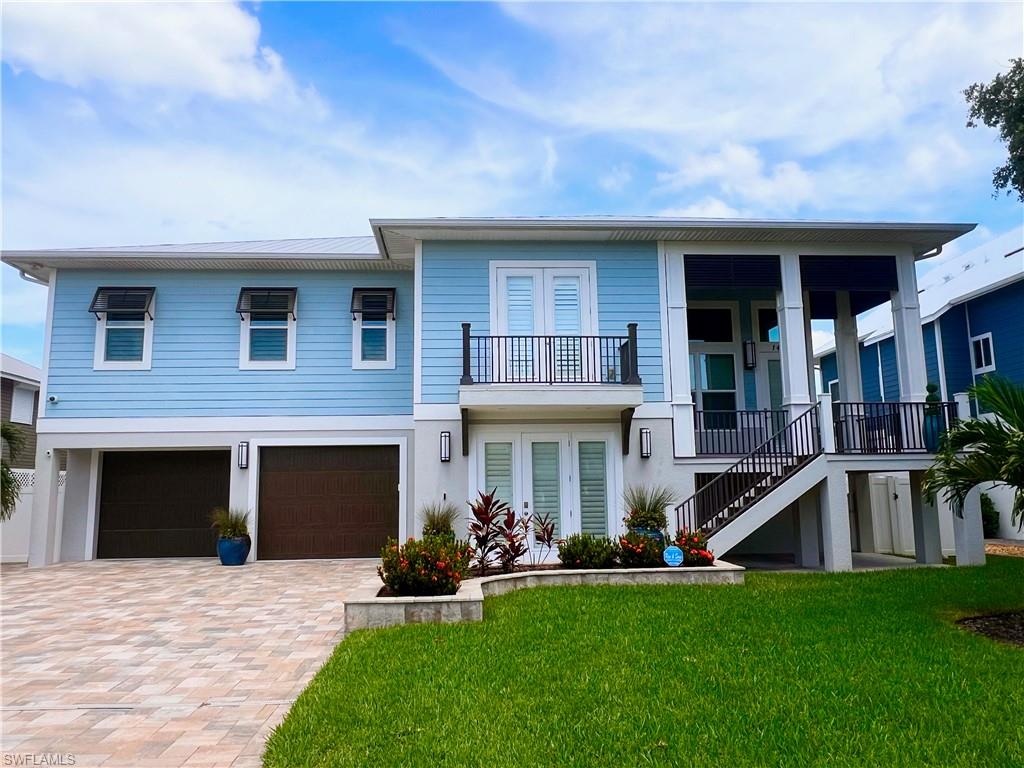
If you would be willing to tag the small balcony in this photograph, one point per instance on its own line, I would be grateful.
(735, 433)
(571, 374)
(891, 428)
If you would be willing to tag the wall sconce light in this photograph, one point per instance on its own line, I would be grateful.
(446, 447)
(243, 455)
(645, 443)
(750, 354)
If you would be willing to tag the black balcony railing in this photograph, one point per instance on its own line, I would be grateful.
(880, 428)
(549, 359)
(735, 433)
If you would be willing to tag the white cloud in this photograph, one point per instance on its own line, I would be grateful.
(547, 174)
(617, 178)
(188, 48)
(707, 208)
(822, 339)
(24, 303)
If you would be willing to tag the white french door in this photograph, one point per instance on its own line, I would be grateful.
(533, 304)
(569, 478)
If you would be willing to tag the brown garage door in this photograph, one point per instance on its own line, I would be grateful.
(327, 501)
(158, 503)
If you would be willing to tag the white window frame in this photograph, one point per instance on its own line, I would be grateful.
(734, 348)
(543, 271)
(288, 364)
(991, 350)
(99, 360)
(358, 364)
(22, 413)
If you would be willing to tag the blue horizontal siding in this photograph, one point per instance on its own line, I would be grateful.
(998, 313)
(196, 336)
(956, 350)
(869, 373)
(456, 289)
(890, 373)
(829, 369)
(931, 357)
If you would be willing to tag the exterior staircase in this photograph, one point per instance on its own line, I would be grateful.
(772, 476)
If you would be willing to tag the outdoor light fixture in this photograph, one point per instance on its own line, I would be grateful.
(446, 447)
(645, 443)
(750, 354)
(243, 455)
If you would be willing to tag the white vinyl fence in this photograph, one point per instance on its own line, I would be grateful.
(14, 533)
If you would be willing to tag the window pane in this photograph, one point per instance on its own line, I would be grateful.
(593, 488)
(768, 325)
(124, 344)
(498, 470)
(719, 372)
(126, 319)
(375, 343)
(268, 319)
(268, 344)
(714, 324)
(547, 483)
(719, 401)
(519, 305)
(567, 306)
(986, 351)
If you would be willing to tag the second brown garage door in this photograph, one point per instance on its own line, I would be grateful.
(327, 501)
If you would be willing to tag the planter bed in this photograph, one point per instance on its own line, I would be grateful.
(368, 609)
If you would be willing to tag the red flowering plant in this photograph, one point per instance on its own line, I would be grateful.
(695, 548)
(432, 566)
(637, 550)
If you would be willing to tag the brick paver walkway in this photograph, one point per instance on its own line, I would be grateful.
(162, 662)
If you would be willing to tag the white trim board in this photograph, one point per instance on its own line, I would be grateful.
(54, 425)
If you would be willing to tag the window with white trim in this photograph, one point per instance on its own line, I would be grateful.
(373, 328)
(124, 328)
(23, 404)
(268, 332)
(983, 358)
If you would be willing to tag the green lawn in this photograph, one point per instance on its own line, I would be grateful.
(790, 669)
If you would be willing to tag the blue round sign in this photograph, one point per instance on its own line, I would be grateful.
(673, 556)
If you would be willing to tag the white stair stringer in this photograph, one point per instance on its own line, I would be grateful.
(787, 492)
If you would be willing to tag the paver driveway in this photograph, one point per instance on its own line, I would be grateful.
(162, 662)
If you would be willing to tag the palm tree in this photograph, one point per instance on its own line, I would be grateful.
(9, 488)
(979, 451)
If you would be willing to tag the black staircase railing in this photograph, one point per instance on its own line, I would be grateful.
(735, 433)
(763, 469)
(885, 428)
(550, 359)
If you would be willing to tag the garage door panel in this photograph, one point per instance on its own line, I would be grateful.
(158, 503)
(327, 501)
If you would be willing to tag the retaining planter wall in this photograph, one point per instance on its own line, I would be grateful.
(367, 610)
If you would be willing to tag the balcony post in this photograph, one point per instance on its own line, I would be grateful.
(826, 424)
(634, 358)
(467, 377)
(963, 405)
(796, 390)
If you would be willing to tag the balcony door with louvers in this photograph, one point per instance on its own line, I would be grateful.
(543, 317)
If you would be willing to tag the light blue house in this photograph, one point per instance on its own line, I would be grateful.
(970, 310)
(332, 387)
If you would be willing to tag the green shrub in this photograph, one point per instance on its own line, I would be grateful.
(989, 517)
(639, 551)
(695, 548)
(230, 523)
(430, 566)
(581, 550)
(439, 519)
(645, 506)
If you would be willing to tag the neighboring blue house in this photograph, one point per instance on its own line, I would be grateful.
(333, 387)
(970, 314)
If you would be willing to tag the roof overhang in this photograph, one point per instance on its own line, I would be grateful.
(396, 238)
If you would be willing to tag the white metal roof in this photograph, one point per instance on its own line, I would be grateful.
(334, 246)
(13, 368)
(396, 237)
(984, 269)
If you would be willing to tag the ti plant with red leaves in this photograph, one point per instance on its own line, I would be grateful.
(513, 540)
(543, 538)
(484, 534)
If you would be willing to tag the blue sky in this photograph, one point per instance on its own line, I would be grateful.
(147, 123)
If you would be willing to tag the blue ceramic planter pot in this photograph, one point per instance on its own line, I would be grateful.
(934, 427)
(650, 533)
(233, 551)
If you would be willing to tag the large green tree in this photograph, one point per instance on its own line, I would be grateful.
(986, 450)
(9, 488)
(1000, 104)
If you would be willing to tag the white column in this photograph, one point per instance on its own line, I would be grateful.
(809, 552)
(796, 392)
(968, 535)
(851, 388)
(906, 318)
(683, 441)
(927, 540)
(963, 405)
(42, 540)
(835, 522)
(826, 426)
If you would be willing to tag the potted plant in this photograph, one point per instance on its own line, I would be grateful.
(645, 510)
(934, 419)
(233, 542)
